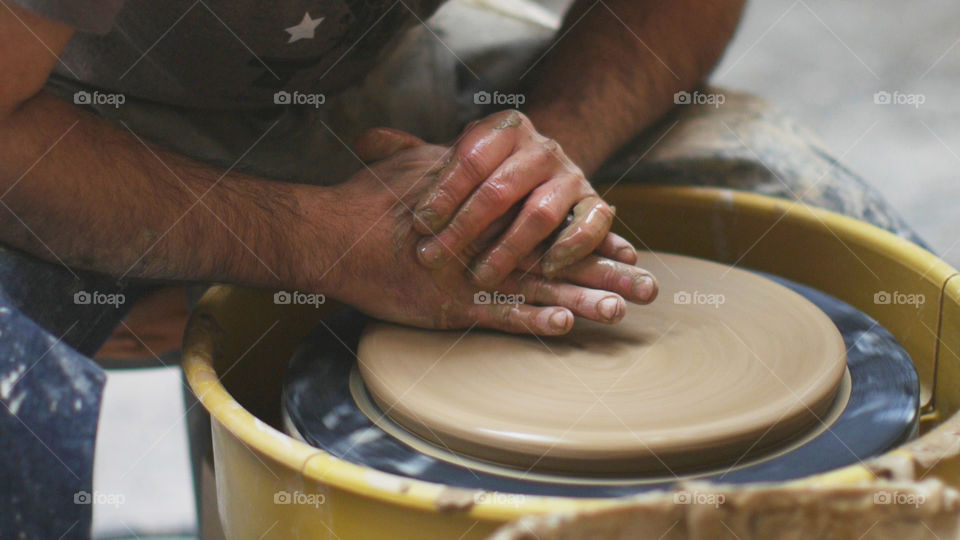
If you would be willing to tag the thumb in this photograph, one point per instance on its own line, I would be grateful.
(380, 143)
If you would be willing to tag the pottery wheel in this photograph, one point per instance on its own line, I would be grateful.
(724, 364)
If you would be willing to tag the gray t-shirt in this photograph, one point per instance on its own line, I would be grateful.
(225, 54)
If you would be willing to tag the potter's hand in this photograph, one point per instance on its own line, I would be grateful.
(380, 274)
(502, 162)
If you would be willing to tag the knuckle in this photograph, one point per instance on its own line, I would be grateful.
(541, 158)
(537, 289)
(577, 298)
(515, 114)
(509, 252)
(611, 278)
(576, 183)
(471, 162)
(543, 214)
(509, 119)
(550, 144)
(505, 316)
(551, 147)
(493, 194)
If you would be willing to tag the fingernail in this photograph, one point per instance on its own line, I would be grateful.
(558, 321)
(609, 308)
(485, 274)
(626, 253)
(430, 252)
(644, 288)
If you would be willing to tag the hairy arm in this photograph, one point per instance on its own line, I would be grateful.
(82, 191)
(78, 190)
(615, 66)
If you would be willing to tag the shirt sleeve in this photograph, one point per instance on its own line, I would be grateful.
(94, 16)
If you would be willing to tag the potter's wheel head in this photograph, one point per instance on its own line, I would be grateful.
(724, 364)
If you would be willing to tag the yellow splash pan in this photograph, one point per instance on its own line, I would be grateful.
(270, 485)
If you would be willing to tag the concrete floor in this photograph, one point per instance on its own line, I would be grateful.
(820, 60)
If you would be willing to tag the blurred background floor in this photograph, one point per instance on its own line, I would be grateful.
(822, 61)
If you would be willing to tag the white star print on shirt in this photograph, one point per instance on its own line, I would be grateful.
(305, 29)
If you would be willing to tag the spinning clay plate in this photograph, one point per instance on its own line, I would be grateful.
(723, 364)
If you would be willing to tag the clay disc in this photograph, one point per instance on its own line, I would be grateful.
(724, 364)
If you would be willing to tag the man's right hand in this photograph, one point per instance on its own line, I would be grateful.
(380, 274)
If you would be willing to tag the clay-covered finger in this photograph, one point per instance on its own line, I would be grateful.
(631, 282)
(617, 248)
(594, 304)
(482, 242)
(526, 319)
(592, 219)
(542, 212)
(510, 183)
(482, 149)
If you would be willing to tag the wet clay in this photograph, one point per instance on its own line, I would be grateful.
(724, 364)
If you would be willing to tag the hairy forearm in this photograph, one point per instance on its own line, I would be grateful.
(616, 65)
(78, 190)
